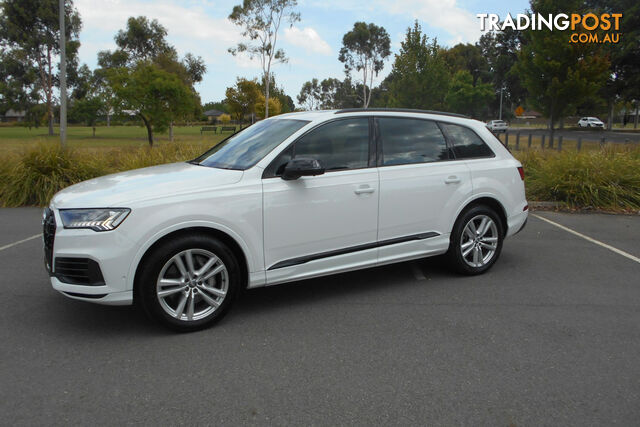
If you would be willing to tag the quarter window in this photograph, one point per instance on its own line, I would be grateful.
(466, 143)
(406, 141)
(343, 144)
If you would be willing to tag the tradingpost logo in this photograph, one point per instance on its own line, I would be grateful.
(587, 28)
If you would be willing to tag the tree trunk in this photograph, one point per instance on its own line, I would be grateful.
(551, 131)
(610, 115)
(50, 114)
(364, 87)
(108, 119)
(266, 95)
(171, 132)
(635, 121)
(49, 92)
(149, 129)
(94, 131)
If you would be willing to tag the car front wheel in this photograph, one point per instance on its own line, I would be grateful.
(189, 283)
(476, 241)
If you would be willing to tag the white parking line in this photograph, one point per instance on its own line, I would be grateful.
(590, 239)
(10, 245)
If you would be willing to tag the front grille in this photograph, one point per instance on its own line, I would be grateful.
(78, 271)
(48, 236)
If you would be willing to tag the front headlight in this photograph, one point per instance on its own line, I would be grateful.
(104, 219)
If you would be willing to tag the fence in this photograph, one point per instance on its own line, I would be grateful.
(531, 139)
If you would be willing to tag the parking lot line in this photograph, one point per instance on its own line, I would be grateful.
(590, 239)
(10, 245)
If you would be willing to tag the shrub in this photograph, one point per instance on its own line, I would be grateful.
(33, 177)
(606, 179)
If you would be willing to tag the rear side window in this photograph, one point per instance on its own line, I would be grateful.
(466, 143)
(407, 141)
(338, 145)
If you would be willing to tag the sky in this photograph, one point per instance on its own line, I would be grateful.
(312, 45)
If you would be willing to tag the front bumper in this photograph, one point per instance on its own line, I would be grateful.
(111, 250)
(95, 294)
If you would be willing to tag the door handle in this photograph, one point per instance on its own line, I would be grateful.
(452, 180)
(364, 190)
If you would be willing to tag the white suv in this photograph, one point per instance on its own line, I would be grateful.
(296, 196)
(498, 126)
(590, 122)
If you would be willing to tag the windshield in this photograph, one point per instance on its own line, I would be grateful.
(248, 147)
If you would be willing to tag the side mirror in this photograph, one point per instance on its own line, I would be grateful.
(301, 166)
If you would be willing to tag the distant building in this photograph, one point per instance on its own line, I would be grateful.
(213, 115)
(13, 116)
(529, 114)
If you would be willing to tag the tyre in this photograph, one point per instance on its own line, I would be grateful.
(189, 283)
(476, 240)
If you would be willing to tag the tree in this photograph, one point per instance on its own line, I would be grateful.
(140, 45)
(274, 106)
(143, 40)
(260, 21)
(309, 96)
(30, 30)
(500, 49)
(242, 98)
(467, 57)
(419, 77)
(19, 82)
(157, 96)
(623, 82)
(364, 49)
(557, 74)
(277, 92)
(220, 106)
(87, 110)
(465, 97)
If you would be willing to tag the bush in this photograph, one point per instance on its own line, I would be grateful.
(33, 177)
(604, 179)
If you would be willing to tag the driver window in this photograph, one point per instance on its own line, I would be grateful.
(339, 145)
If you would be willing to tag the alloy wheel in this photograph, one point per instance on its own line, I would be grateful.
(479, 241)
(192, 284)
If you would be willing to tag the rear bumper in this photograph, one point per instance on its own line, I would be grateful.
(516, 223)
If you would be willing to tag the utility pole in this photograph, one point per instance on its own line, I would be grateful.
(501, 89)
(63, 79)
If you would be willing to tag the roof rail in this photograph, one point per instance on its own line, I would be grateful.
(399, 110)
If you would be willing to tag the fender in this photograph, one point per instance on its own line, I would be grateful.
(252, 268)
(474, 197)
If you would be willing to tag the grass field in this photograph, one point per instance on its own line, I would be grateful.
(80, 137)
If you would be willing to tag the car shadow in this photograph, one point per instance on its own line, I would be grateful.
(89, 319)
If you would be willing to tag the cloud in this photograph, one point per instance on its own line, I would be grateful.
(444, 14)
(447, 15)
(307, 38)
(181, 21)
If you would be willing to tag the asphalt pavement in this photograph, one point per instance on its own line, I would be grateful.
(550, 336)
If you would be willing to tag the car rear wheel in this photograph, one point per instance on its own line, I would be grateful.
(189, 283)
(476, 240)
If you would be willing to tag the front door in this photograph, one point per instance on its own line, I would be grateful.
(327, 222)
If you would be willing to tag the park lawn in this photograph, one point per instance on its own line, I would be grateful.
(15, 138)
(567, 143)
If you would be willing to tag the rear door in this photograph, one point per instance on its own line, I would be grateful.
(421, 187)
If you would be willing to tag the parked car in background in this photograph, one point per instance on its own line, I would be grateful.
(292, 197)
(497, 126)
(590, 122)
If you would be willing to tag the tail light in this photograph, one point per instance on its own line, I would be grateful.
(521, 172)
